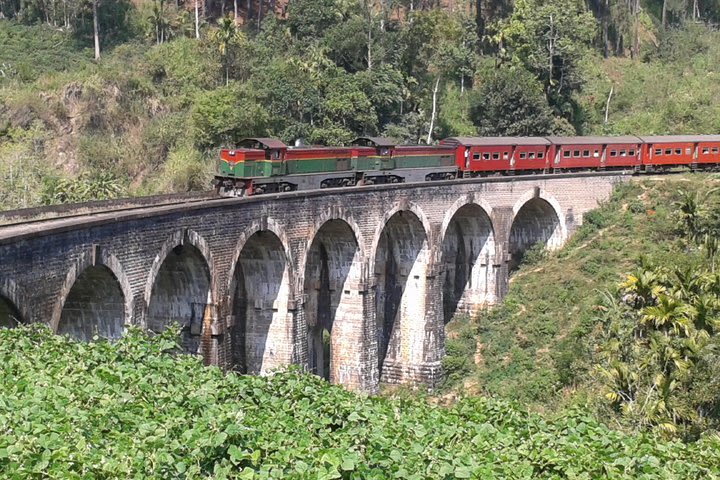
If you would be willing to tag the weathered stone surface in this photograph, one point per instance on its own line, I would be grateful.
(255, 282)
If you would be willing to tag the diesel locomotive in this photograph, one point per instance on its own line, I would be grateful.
(265, 165)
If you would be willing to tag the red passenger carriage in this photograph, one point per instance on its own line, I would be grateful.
(581, 153)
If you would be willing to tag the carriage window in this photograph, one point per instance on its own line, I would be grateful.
(688, 151)
(566, 154)
(631, 152)
(496, 156)
(658, 151)
(668, 151)
(522, 155)
(715, 150)
(586, 153)
(486, 156)
(541, 154)
(576, 153)
(596, 153)
(678, 151)
(613, 153)
(705, 150)
(476, 156)
(623, 153)
(506, 155)
(531, 155)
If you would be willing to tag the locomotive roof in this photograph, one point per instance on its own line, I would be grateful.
(265, 142)
(594, 139)
(491, 141)
(680, 138)
(375, 141)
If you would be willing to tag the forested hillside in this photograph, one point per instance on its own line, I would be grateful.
(168, 91)
(625, 318)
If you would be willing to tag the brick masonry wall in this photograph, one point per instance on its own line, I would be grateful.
(38, 271)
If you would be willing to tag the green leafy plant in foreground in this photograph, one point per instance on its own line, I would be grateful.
(136, 409)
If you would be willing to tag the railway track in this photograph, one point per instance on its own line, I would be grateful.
(18, 224)
(27, 216)
(37, 221)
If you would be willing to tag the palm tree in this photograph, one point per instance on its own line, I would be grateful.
(227, 37)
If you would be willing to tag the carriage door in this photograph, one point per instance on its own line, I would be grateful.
(387, 162)
(278, 163)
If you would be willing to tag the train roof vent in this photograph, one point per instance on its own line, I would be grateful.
(262, 143)
(375, 142)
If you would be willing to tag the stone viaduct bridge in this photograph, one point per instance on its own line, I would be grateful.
(355, 284)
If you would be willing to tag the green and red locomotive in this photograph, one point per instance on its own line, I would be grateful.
(265, 165)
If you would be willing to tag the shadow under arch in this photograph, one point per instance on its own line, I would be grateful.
(333, 306)
(536, 222)
(468, 257)
(401, 257)
(12, 305)
(259, 292)
(95, 299)
(9, 313)
(180, 290)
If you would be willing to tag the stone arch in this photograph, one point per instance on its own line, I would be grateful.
(468, 258)
(404, 207)
(180, 289)
(95, 298)
(401, 267)
(333, 302)
(537, 219)
(259, 299)
(12, 305)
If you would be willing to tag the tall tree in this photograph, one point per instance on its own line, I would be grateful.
(96, 35)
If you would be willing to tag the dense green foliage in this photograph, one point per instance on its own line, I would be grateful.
(135, 410)
(659, 343)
